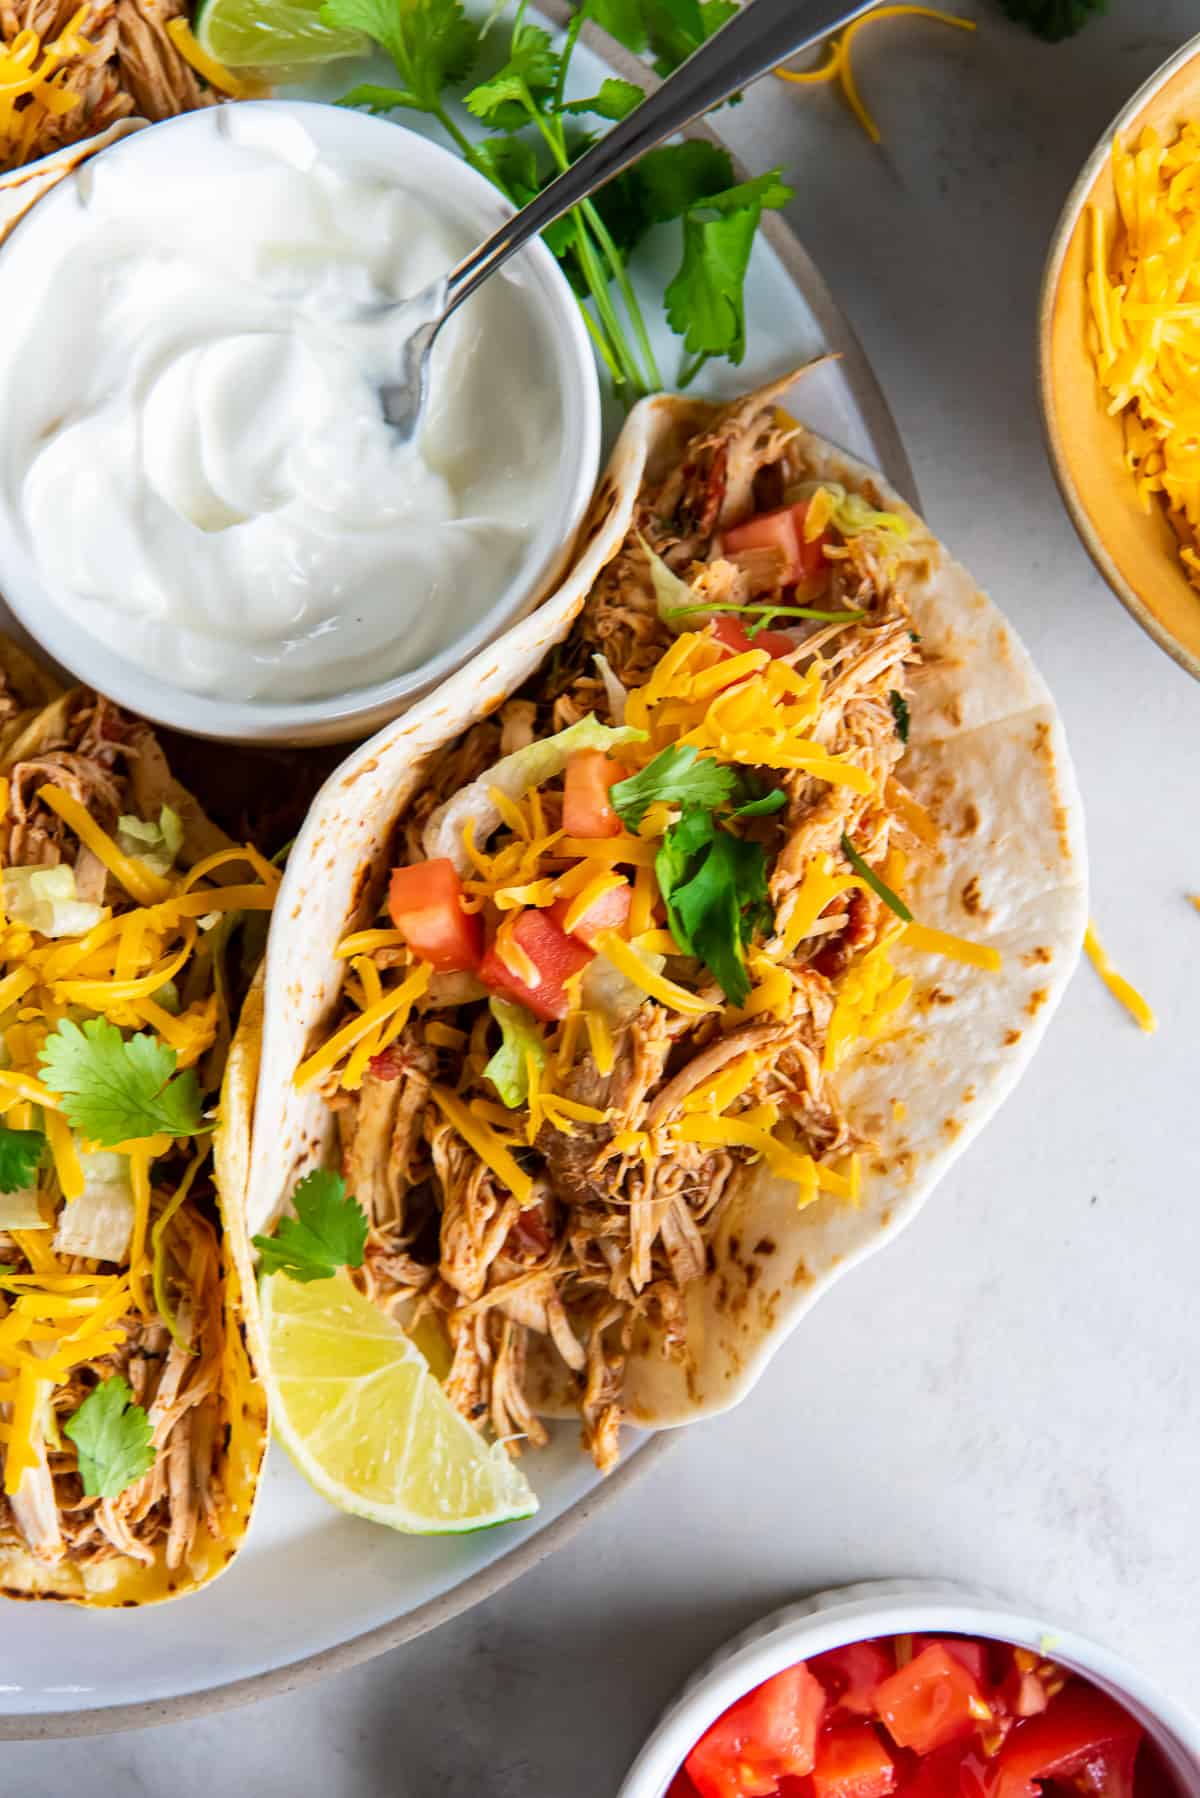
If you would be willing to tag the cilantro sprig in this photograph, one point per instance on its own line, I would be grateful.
(328, 1231)
(536, 132)
(20, 1153)
(900, 713)
(679, 775)
(113, 1439)
(118, 1089)
(714, 886)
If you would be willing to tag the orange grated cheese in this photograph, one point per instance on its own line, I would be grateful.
(839, 66)
(1121, 989)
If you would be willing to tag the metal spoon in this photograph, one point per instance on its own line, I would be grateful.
(762, 35)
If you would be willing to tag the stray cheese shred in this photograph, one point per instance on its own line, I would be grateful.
(1121, 989)
(839, 66)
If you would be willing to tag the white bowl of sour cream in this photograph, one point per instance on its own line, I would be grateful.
(202, 510)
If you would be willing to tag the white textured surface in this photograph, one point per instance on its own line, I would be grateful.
(1011, 1395)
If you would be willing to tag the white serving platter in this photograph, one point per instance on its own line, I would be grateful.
(314, 1592)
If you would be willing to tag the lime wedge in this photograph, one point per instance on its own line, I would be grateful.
(272, 34)
(354, 1403)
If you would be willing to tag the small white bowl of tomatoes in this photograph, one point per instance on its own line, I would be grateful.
(916, 1689)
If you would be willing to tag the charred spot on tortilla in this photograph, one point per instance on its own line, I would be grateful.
(970, 819)
(1037, 999)
(972, 898)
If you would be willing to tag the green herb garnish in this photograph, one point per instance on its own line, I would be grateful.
(765, 615)
(328, 1231)
(119, 1089)
(880, 888)
(113, 1439)
(1053, 20)
(678, 775)
(537, 135)
(20, 1152)
(900, 713)
(714, 886)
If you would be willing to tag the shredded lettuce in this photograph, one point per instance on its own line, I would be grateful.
(156, 845)
(606, 990)
(514, 775)
(850, 512)
(19, 1210)
(99, 1223)
(671, 595)
(46, 900)
(508, 1070)
(613, 687)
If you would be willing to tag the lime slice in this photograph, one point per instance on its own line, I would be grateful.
(357, 1408)
(272, 34)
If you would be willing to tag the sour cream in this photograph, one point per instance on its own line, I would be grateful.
(193, 451)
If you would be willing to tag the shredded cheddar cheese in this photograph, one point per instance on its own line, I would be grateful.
(840, 68)
(1144, 294)
(1121, 989)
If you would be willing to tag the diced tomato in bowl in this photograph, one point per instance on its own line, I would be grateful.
(426, 906)
(769, 1733)
(923, 1716)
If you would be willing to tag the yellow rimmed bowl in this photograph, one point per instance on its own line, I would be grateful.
(1135, 550)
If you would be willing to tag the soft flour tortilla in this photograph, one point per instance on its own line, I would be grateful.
(121, 1580)
(987, 757)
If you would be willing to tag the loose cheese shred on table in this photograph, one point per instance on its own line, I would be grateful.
(840, 68)
(1120, 988)
(1144, 293)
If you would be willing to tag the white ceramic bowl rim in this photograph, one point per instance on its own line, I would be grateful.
(379, 144)
(898, 1607)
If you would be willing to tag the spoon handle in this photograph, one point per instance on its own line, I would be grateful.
(763, 34)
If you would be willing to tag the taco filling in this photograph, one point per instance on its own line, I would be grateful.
(130, 1429)
(634, 924)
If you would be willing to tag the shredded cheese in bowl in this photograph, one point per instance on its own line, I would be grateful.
(1144, 293)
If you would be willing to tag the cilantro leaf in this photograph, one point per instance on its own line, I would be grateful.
(511, 164)
(116, 1089)
(714, 886)
(900, 713)
(431, 42)
(328, 1231)
(20, 1152)
(112, 1438)
(379, 100)
(528, 76)
(706, 301)
(622, 19)
(615, 100)
(676, 177)
(677, 27)
(879, 887)
(678, 775)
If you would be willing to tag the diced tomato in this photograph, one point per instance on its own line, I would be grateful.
(732, 635)
(813, 560)
(681, 1786)
(782, 530)
(609, 912)
(852, 1762)
(973, 1655)
(851, 1674)
(587, 810)
(554, 954)
(769, 1733)
(1082, 1736)
(946, 1773)
(929, 1702)
(426, 904)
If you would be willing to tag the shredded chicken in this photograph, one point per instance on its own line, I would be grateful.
(131, 68)
(624, 1210)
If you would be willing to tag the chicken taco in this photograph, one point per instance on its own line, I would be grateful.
(653, 970)
(131, 1425)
